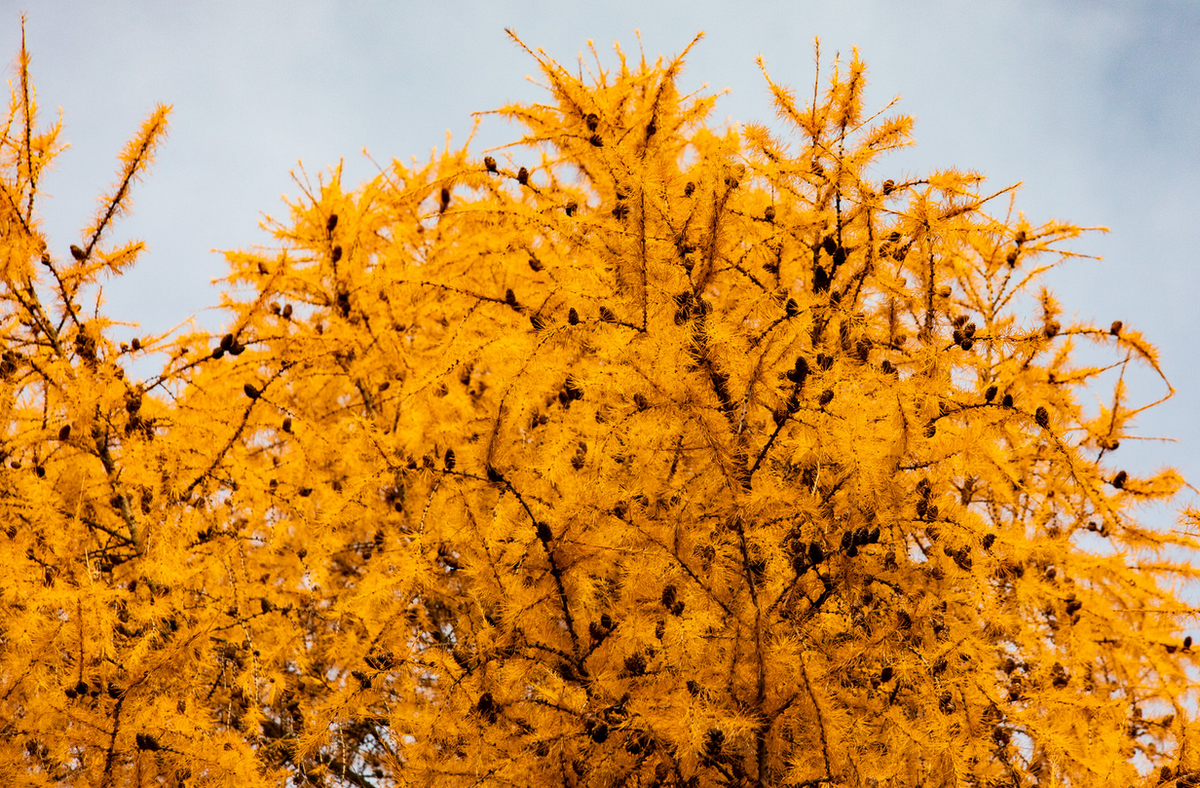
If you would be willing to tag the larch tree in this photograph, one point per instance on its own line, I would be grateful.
(671, 456)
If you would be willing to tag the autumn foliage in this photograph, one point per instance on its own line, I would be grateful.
(641, 453)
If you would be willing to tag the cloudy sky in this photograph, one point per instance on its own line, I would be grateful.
(1091, 104)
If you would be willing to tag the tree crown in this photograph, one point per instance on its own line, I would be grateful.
(672, 457)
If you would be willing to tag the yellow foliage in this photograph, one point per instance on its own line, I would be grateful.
(660, 457)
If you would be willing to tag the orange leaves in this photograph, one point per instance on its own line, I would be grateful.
(701, 469)
(135, 158)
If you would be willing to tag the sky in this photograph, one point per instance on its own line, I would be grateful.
(1093, 106)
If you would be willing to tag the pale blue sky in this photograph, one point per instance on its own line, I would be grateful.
(1093, 105)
